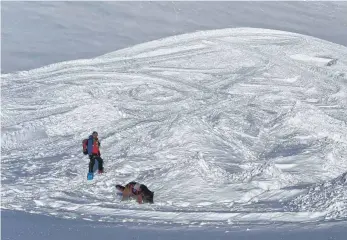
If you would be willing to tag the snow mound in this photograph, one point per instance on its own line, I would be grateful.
(225, 126)
(329, 197)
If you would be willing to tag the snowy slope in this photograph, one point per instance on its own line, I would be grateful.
(234, 126)
(38, 33)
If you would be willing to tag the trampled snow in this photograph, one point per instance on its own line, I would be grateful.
(227, 127)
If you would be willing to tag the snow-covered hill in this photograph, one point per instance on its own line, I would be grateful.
(234, 126)
(38, 33)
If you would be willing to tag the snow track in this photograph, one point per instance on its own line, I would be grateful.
(226, 127)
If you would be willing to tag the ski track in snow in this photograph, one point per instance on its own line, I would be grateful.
(232, 126)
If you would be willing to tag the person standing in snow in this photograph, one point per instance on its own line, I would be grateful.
(93, 148)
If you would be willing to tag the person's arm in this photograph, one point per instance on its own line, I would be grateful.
(139, 198)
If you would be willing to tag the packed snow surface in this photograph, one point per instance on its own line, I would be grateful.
(233, 126)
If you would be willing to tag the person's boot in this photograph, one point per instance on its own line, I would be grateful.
(90, 176)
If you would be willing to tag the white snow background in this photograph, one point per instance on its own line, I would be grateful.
(240, 132)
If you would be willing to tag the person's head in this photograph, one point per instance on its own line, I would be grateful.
(149, 197)
(95, 134)
(120, 187)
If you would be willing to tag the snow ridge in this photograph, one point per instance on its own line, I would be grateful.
(231, 126)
